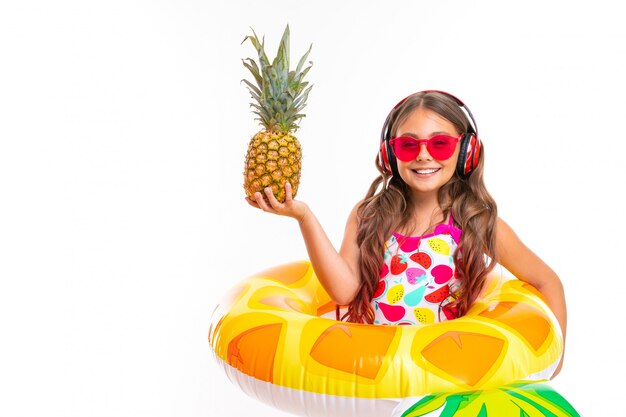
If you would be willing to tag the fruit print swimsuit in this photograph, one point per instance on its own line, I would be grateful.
(417, 279)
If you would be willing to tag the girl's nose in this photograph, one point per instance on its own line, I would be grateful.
(423, 154)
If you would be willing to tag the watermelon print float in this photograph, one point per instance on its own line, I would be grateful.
(275, 337)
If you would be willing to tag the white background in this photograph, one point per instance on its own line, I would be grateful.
(123, 127)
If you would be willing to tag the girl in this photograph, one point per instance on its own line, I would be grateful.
(427, 226)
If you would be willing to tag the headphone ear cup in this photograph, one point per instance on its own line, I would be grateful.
(469, 154)
(386, 157)
(383, 159)
(385, 154)
(391, 160)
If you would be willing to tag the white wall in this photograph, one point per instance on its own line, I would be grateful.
(123, 127)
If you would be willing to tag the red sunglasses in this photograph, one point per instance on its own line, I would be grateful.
(440, 147)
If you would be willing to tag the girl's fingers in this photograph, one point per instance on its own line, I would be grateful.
(273, 206)
(270, 204)
(272, 199)
(288, 192)
(262, 203)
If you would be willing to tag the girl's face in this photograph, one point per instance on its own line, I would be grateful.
(425, 174)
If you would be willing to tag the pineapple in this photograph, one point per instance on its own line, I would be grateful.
(274, 154)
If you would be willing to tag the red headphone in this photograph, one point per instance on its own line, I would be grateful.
(470, 144)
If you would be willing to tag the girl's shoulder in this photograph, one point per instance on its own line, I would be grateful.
(354, 213)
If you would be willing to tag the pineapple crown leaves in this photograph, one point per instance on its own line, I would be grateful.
(279, 94)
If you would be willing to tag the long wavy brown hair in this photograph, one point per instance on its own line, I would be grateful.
(387, 207)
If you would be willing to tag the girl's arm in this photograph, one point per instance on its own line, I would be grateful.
(337, 271)
(525, 265)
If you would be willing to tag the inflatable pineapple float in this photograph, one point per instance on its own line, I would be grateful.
(279, 94)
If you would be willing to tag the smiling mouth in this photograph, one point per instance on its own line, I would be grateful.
(426, 171)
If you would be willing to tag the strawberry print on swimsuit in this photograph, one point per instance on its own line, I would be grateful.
(417, 279)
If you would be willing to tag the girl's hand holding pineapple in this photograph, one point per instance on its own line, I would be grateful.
(290, 207)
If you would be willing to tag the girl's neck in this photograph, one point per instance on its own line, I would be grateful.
(425, 203)
(426, 215)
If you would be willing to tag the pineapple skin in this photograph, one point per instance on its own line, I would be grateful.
(272, 159)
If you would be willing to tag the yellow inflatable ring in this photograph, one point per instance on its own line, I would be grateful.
(273, 337)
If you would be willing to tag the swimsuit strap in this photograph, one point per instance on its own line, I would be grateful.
(453, 230)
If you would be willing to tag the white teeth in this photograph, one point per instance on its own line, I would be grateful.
(426, 171)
